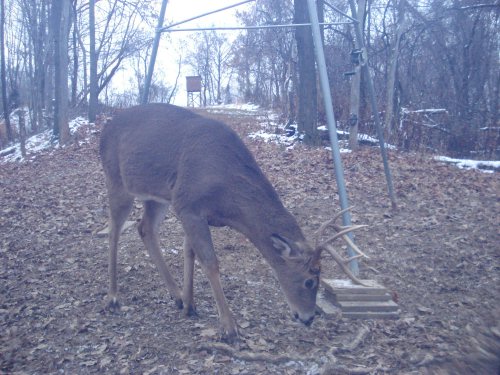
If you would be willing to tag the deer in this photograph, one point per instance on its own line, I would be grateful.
(172, 158)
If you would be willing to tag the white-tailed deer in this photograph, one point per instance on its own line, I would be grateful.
(163, 154)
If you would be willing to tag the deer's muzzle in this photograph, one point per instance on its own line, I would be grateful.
(306, 321)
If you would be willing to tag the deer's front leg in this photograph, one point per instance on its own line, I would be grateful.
(187, 291)
(198, 238)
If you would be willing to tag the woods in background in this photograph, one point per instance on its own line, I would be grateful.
(434, 63)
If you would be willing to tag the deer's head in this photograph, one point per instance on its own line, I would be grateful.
(298, 274)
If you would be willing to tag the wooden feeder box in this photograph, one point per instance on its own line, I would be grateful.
(372, 301)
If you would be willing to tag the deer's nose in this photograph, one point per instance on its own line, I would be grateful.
(306, 322)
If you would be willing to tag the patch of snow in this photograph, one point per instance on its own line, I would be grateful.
(425, 110)
(374, 141)
(270, 124)
(39, 143)
(243, 107)
(76, 123)
(341, 150)
(487, 166)
(269, 137)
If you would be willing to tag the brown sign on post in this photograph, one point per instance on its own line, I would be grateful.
(193, 84)
(193, 88)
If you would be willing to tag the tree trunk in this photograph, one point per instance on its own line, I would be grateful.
(5, 102)
(61, 21)
(48, 94)
(393, 66)
(93, 94)
(356, 88)
(76, 62)
(22, 131)
(307, 116)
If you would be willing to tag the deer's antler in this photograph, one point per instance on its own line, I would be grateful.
(342, 231)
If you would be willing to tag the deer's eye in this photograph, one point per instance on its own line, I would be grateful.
(310, 283)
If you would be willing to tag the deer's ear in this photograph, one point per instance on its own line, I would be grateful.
(282, 246)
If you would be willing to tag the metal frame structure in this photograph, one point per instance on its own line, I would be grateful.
(325, 87)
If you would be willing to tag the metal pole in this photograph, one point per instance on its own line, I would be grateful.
(330, 117)
(168, 28)
(371, 91)
(154, 52)
(204, 14)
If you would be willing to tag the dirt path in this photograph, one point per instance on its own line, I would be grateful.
(438, 254)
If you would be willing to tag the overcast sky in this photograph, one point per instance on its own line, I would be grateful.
(179, 10)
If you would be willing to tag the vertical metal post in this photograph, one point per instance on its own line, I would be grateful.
(330, 117)
(154, 52)
(360, 44)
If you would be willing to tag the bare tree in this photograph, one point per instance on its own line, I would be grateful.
(210, 61)
(307, 117)
(3, 79)
(114, 35)
(158, 91)
(393, 65)
(38, 60)
(93, 91)
(263, 59)
(355, 94)
(460, 70)
(75, 54)
(61, 18)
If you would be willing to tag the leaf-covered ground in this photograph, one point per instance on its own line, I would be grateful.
(438, 254)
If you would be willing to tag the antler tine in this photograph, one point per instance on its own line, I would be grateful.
(321, 231)
(342, 233)
(354, 257)
(344, 268)
(340, 213)
(351, 242)
(326, 224)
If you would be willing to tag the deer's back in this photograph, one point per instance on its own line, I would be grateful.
(169, 153)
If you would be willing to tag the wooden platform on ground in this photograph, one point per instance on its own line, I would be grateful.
(372, 301)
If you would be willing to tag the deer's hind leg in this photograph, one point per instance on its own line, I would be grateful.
(187, 288)
(154, 213)
(120, 204)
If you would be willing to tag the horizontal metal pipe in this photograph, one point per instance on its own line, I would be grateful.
(206, 14)
(168, 28)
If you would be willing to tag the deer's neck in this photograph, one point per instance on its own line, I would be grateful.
(263, 216)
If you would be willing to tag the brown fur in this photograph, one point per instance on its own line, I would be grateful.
(163, 154)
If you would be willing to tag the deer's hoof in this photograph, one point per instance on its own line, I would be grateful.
(112, 304)
(229, 336)
(179, 303)
(190, 311)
